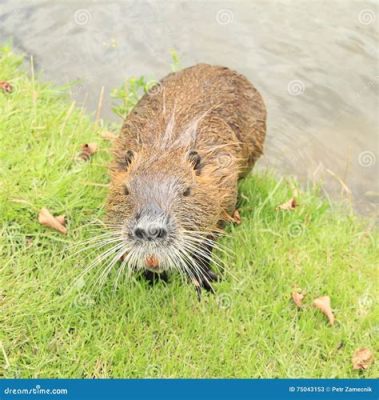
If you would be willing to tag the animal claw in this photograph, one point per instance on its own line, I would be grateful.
(198, 292)
(212, 276)
(197, 285)
(205, 283)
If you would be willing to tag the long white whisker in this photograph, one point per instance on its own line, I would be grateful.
(99, 259)
(101, 278)
(212, 257)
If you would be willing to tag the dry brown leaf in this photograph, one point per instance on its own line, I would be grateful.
(298, 297)
(288, 205)
(108, 135)
(45, 218)
(362, 358)
(6, 87)
(88, 150)
(323, 304)
(236, 217)
(61, 219)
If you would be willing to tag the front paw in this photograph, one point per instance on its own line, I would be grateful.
(205, 282)
(154, 277)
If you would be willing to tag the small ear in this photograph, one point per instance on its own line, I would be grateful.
(126, 160)
(195, 159)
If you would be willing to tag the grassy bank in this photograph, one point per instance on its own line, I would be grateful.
(251, 328)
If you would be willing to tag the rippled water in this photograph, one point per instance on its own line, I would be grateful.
(316, 64)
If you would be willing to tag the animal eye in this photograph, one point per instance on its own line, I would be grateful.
(128, 157)
(195, 159)
(187, 192)
(126, 160)
(126, 190)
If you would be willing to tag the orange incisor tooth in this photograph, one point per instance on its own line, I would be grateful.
(152, 262)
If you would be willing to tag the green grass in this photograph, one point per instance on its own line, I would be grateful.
(250, 328)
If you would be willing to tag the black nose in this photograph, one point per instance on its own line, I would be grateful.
(151, 232)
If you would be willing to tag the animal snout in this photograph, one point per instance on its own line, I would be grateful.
(151, 232)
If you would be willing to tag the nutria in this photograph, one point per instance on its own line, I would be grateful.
(176, 167)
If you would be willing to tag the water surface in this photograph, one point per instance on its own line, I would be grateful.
(315, 62)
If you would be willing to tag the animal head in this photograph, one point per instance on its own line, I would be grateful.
(164, 205)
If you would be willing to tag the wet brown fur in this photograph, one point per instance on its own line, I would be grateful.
(210, 109)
